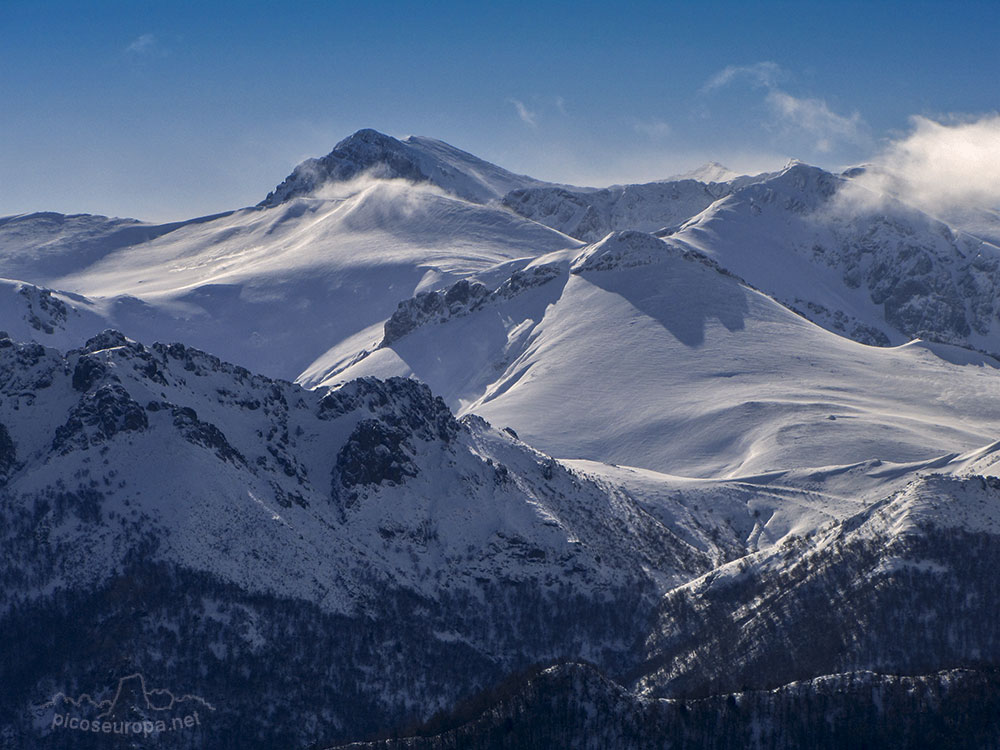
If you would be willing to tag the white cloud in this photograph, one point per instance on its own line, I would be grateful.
(655, 129)
(792, 114)
(142, 45)
(561, 105)
(526, 115)
(766, 74)
(941, 166)
(814, 116)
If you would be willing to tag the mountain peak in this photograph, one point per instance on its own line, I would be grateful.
(366, 150)
(366, 135)
(707, 173)
(416, 159)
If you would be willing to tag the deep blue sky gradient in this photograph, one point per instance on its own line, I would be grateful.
(169, 110)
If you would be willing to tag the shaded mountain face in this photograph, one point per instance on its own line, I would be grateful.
(561, 466)
(893, 606)
(323, 538)
(589, 216)
(574, 705)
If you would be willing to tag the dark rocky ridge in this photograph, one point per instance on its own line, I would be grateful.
(574, 705)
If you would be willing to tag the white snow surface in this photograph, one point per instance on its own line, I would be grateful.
(676, 370)
(247, 494)
(647, 355)
(273, 288)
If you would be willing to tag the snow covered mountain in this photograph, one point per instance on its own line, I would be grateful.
(864, 266)
(424, 215)
(417, 159)
(559, 466)
(262, 508)
(643, 330)
(270, 288)
(589, 214)
(120, 462)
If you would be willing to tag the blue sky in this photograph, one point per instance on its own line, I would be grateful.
(171, 110)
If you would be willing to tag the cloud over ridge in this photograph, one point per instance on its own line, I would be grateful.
(942, 165)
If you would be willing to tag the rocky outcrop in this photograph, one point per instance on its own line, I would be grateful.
(461, 298)
(100, 415)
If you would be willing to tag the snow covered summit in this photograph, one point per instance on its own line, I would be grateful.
(417, 159)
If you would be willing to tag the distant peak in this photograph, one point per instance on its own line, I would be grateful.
(710, 172)
(797, 167)
(366, 136)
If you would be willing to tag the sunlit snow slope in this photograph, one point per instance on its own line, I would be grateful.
(272, 288)
(638, 352)
(704, 354)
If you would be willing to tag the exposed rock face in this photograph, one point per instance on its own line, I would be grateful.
(375, 453)
(88, 371)
(204, 434)
(397, 402)
(461, 298)
(45, 312)
(100, 415)
(381, 450)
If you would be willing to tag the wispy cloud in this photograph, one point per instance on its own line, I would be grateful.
(814, 116)
(654, 129)
(527, 116)
(765, 74)
(143, 45)
(791, 114)
(560, 103)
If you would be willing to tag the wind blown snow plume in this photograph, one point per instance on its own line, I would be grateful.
(942, 165)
